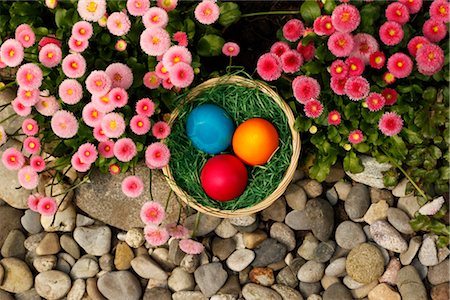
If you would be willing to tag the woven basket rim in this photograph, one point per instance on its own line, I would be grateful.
(289, 173)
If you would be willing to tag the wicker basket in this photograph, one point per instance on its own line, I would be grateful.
(288, 174)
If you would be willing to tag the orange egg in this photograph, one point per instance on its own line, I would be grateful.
(255, 141)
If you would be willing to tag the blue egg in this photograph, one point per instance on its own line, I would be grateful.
(210, 128)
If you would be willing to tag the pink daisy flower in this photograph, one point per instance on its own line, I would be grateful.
(157, 156)
(156, 236)
(355, 66)
(3, 136)
(291, 61)
(28, 97)
(334, 118)
(82, 30)
(181, 38)
(105, 149)
(375, 101)
(161, 130)
(338, 69)
(114, 169)
(91, 10)
(434, 30)
(269, 67)
(11, 53)
(151, 80)
(132, 186)
(391, 33)
(416, 43)
(365, 46)
(70, 91)
(305, 88)
(29, 76)
(47, 206)
(176, 54)
(31, 145)
(161, 71)
(345, 18)
(87, 153)
(78, 46)
(155, 17)
(293, 30)
(124, 149)
(191, 247)
(64, 124)
(340, 44)
(313, 108)
(50, 55)
(99, 133)
(318, 27)
(355, 137)
(20, 108)
(113, 125)
(154, 41)
(12, 159)
(413, 5)
(121, 45)
(103, 20)
(37, 163)
(377, 60)
(2, 64)
(278, 48)
(49, 40)
(397, 12)
(103, 103)
(28, 178)
(430, 59)
(167, 5)
(33, 201)
(207, 12)
(307, 51)
(98, 83)
(390, 95)
(138, 7)
(140, 124)
(78, 164)
(152, 213)
(439, 10)
(91, 115)
(400, 65)
(25, 35)
(181, 75)
(120, 75)
(118, 96)
(357, 88)
(390, 124)
(231, 49)
(30, 127)
(177, 231)
(323, 26)
(167, 84)
(74, 65)
(118, 23)
(389, 78)
(145, 107)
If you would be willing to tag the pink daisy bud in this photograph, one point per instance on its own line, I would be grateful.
(118, 96)
(167, 84)
(113, 125)
(389, 78)
(11, 53)
(125, 149)
(78, 46)
(47, 206)
(355, 137)
(181, 38)
(355, 66)
(25, 35)
(157, 156)
(338, 85)
(161, 71)
(191, 247)
(30, 127)
(278, 48)
(137, 7)
(132, 186)
(167, 5)
(338, 69)
(70, 91)
(82, 30)
(74, 65)
(156, 236)
(177, 231)
(120, 75)
(365, 46)
(391, 33)
(28, 178)
(64, 124)
(269, 67)
(29, 76)
(91, 10)
(28, 97)
(313, 108)
(145, 107)
(37, 163)
(181, 75)
(20, 108)
(31, 145)
(207, 12)
(413, 5)
(121, 45)
(334, 118)
(307, 51)
(416, 43)
(151, 80)
(293, 30)
(33, 201)
(375, 101)
(434, 30)
(118, 24)
(340, 44)
(231, 49)
(377, 60)
(439, 11)
(3, 136)
(430, 59)
(390, 95)
(87, 153)
(103, 20)
(78, 164)
(12, 159)
(176, 54)
(155, 41)
(49, 40)
(291, 61)
(114, 169)
(390, 124)
(155, 17)
(357, 88)
(105, 149)
(400, 65)
(140, 124)
(91, 115)
(50, 55)
(152, 213)
(397, 12)
(51, 3)
(305, 88)
(98, 83)
(161, 130)
(345, 18)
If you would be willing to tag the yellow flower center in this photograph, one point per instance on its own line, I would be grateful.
(78, 43)
(107, 148)
(375, 101)
(50, 54)
(342, 42)
(117, 77)
(27, 177)
(87, 153)
(145, 108)
(419, 45)
(400, 64)
(115, 169)
(94, 114)
(140, 124)
(334, 117)
(69, 92)
(163, 70)
(138, 4)
(74, 65)
(231, 49)
(155, 19)
(28, 93)
(391, 32)
(104, 99)
(207, 11)
(32, 145)
(11, 53)
(30, 127)
(339, 70)
(155, 40)
(435, 29)
(398, 12)
(353, 67)
(356, 136)
(118, 24)
(98, 82)
(389, 77)
(177, 59)
(431, 55)
(26, 38)
(328, 25)
(345, 17)
(442, 10)
(92, 7)
(12, 159)
(113, 124)
(82, 31)
(44, 104)
(29, 77)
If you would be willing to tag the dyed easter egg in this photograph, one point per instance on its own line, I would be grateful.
(210, 128)
(224, 177)
(255, 141)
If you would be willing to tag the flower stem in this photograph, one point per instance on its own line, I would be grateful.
(197, 222)
(263, 13)
(167, 200)
(12, 83)
(85, 179)
(7, 118)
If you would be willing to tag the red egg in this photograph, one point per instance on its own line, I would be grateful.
(224, 177)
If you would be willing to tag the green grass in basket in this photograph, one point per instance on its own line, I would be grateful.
(241, 103)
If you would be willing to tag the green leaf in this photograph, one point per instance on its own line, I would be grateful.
(319, 171)
(302, 124)
(362, 147)
(312, 67)
(411, 136)
(210, 45)
(435, 152)
(310, 10)
(189, 26)
(420, 222)
(397, 147)
(329, 6)
(353, 163)
(60, 18)
(229, 13)
(430, 94)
